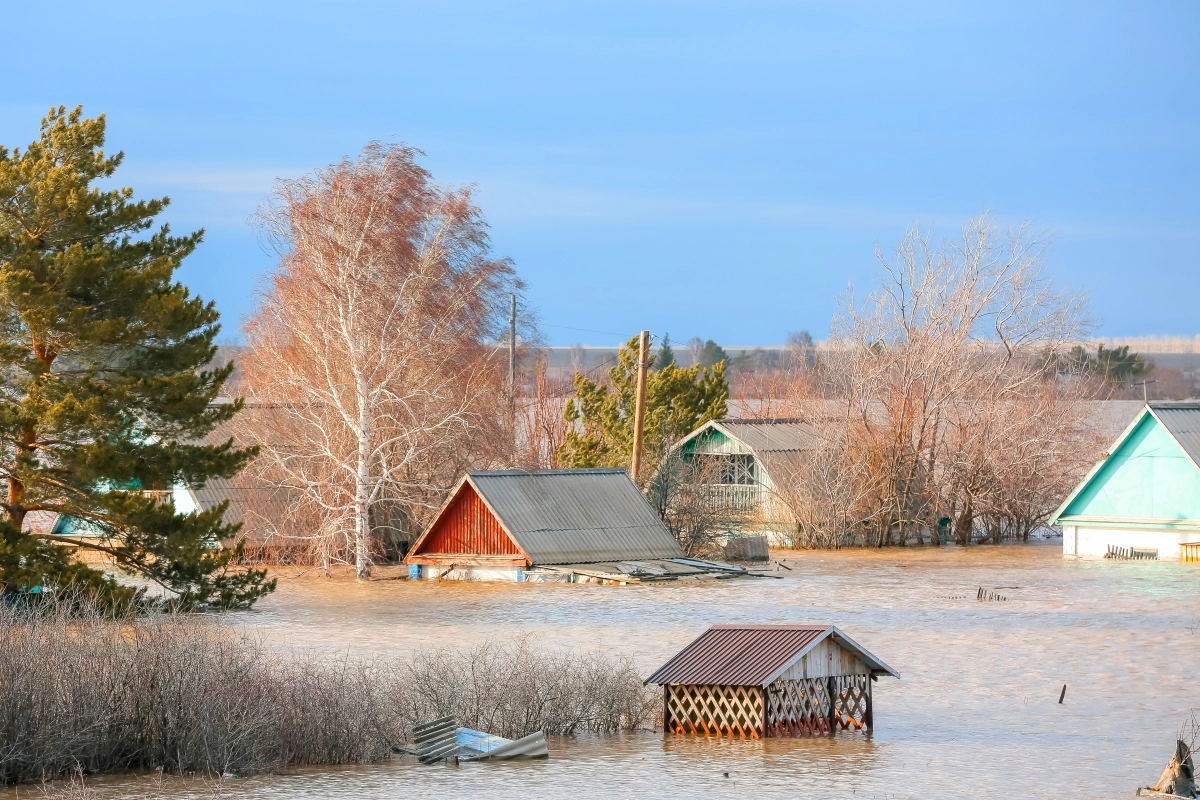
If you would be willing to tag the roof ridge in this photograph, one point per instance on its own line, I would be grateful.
(515, 472)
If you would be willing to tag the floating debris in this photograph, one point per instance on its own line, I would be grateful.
(480, 746)
(987, 595)
(1131, 553)
(1178, 779)
(442, 740)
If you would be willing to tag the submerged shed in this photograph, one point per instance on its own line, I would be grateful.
(577, 525)
(755, 681)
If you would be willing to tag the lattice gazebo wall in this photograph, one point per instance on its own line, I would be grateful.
(812, 706)
(735, 711)
(801, 707)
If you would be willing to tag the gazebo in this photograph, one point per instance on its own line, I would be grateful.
(755, 681)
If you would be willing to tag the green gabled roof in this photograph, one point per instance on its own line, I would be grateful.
(1151, 473)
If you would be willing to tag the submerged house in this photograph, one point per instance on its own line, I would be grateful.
(758, 681)
(752, 460)
(265, 510)
(1144, 494)
(570, 525)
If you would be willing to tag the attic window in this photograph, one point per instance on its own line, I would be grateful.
(731, 468)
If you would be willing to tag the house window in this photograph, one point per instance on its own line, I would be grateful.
(730, 468)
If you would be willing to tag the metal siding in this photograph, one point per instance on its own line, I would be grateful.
(468, 527)
(577, 516)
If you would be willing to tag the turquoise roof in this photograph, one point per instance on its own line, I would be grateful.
(1147, 477)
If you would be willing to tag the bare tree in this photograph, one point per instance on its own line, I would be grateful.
(783, 392)
(932, 405)
(374, 338)
(541, 428)
(936, 366)
(828, 490)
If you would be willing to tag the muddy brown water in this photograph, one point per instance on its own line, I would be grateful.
(975, 713)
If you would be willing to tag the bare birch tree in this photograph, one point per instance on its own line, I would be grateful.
(374, 338)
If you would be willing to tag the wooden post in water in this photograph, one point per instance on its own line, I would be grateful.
(832, 689)
(869, 717)
(639, 413)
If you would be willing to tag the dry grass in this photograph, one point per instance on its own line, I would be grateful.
(190, 694)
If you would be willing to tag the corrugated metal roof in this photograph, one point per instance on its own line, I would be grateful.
(576, 516)
(252, 500)
(249, 499)
(738, 655)
(751, 655)
(1182, 420)
(764, 436)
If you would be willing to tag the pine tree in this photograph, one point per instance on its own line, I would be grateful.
(666, 356)
(601, 418)
(106, 397)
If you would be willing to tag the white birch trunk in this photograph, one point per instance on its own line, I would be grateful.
(362, 486)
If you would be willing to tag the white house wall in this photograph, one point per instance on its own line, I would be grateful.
(438, 572)
(1081, 540)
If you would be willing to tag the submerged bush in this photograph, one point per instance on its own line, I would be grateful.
(86, 691)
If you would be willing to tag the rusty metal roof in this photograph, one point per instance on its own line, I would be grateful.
(576, 516)
(752, 655)
(1182, 421)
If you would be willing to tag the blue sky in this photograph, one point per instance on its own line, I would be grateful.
(721, 170)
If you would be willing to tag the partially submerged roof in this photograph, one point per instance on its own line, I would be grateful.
(569, 516)
(754, 655)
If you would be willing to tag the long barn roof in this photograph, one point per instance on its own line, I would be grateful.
(576, 516)
(753, 655)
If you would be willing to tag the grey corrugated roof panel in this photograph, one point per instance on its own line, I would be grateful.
(1182, 421)
(764, 436)
(246, 497)
(576, 516)
(752, 655)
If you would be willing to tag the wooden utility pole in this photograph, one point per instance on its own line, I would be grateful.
(639, 412)
(512, 361)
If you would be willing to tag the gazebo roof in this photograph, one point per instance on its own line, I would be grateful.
(754, 655)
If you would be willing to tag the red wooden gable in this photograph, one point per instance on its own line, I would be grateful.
(466, 527)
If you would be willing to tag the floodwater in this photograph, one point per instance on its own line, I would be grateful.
(975, 713)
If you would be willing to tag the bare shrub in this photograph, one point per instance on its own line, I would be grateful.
(693, 502)
(191, 694)
(515, 690)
